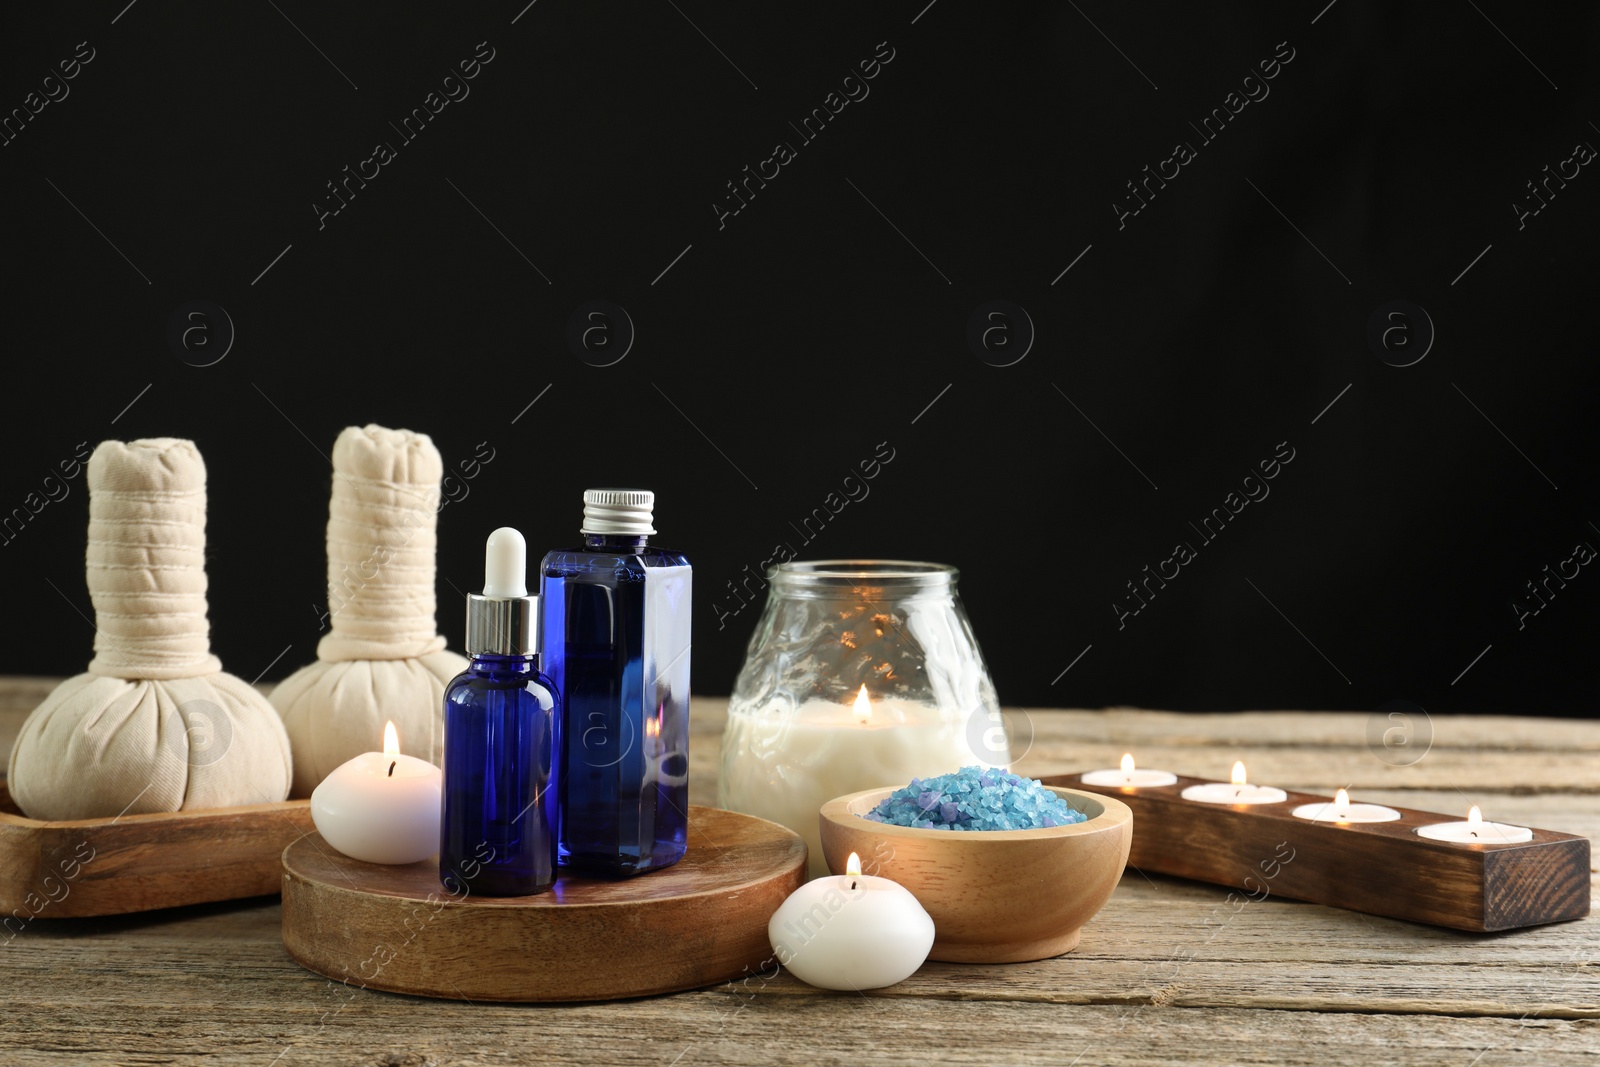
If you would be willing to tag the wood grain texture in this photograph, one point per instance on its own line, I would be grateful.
(697, 923)
(1378, 868)
(81, 867)
(1169, 971)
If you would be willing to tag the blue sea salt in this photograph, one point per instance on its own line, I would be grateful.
(975, 798)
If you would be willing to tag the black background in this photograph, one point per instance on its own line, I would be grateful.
(780, 349)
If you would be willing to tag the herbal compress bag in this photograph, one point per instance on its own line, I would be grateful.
(382, 659)
(156, 724)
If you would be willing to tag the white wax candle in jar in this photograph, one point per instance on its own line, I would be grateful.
(783, 765)
(1129, 776)
(1240, 791)
(1474, 831)
(1339, 809)
(381, 807)
(851, 931)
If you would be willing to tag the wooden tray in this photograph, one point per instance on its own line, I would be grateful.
(1381, 868)
(699, 922)
(80, 867)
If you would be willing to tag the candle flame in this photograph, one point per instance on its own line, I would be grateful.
(1341, 800)
(852, 866)
(1127, 763)
(1474, 816)
(863, 707)
(1238, 773)
(652, 727)
(391, 740)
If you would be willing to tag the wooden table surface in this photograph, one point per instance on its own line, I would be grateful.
(1167, 973)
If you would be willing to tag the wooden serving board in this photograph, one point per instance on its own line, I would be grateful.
(696, 923)
(81, 867)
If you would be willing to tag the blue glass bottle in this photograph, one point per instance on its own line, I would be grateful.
(615, 615)
(501, 742)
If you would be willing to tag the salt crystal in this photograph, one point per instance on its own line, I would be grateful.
(975, 798)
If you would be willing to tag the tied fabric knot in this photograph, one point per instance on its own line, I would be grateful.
(145, 564)
(382, 543)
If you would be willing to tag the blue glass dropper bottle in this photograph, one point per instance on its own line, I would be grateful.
(501, 731)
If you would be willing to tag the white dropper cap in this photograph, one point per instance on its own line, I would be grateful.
(505, 564)
(504, 618)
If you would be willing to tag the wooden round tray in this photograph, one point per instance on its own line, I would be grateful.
(699, 922)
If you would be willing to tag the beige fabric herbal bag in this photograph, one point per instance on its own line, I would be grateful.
(156, 724)
(382, 659)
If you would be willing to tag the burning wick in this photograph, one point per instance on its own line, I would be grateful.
(1238, 777)
(391, 745)
(863, 707)
(852, 870)
(1127, 767)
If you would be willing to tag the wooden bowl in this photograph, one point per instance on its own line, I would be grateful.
(996, 896)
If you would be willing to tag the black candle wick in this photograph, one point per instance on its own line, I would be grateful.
(391, 767)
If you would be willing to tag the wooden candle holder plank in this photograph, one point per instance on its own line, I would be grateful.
(1378, 868)
(79, 867)
(700, 922)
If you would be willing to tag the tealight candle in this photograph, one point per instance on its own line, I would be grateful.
(1476, 832)
(381, 807)
(851, 931)
(1239, 792)
(1129, 776)
(1339, 809)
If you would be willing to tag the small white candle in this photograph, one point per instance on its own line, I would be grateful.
(1339, 809)
(851, 931)
(783, 765)
(381, 807)
(1239, 792)
(1476, 832)
(1129, 777)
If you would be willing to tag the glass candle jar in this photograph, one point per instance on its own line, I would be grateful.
(860, 674)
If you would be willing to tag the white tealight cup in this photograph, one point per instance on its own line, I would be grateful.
(1129, 777)
(1227, 793)
(1238, 791)
(1331, 811)
(1474, 831)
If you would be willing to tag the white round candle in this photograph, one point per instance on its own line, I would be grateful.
(1239, 791)
(1474, 831)
(851, 931)
(381, 807)
(784, 765)
(1339, 809)
(1129, 776)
